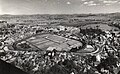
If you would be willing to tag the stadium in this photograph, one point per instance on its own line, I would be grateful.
(43, 42)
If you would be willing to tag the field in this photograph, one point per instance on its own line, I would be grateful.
(101, 26)
(49, 41)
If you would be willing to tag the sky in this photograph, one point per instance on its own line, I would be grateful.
(16, 7)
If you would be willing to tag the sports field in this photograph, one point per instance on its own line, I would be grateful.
(46, 41)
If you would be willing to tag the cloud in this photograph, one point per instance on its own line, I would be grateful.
(110, 2)
(85, 3)
(68, 3)
(83, 0)
(90, 3)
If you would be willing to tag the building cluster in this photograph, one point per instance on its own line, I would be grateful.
(105, 59)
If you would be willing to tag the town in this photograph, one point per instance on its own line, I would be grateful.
(61, 44)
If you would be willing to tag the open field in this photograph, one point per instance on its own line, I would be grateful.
(101, 26)
(66, 20)
(45, 41)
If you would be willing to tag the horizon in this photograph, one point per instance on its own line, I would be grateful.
(66, 14)
(31, 7)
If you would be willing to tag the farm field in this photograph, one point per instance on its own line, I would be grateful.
(101, 26)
